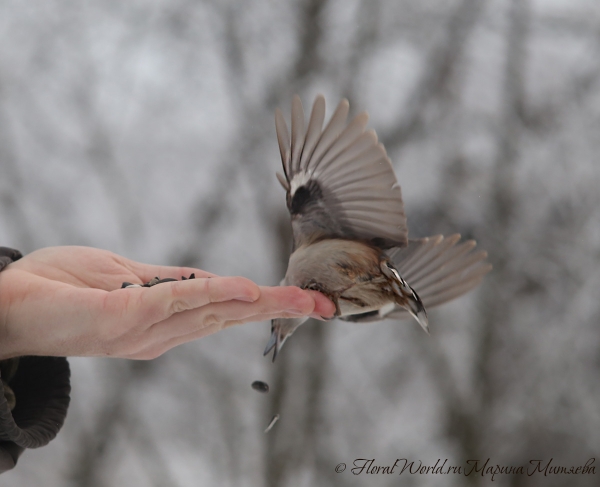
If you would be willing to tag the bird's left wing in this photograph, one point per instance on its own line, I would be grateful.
(339, 180)
(438, 268)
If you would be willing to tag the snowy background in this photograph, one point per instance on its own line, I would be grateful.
(146, 128)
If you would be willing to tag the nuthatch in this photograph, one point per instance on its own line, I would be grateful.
(350, 235)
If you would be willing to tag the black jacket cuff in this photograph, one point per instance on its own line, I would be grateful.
(40, 387)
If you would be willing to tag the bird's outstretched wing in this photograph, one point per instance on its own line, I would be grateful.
(439, 269)
(339, 180)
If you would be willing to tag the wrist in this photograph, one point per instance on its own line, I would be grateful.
(7, 256)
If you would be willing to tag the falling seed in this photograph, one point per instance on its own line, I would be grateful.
(192, 276)
(260, 386)
(272, 423)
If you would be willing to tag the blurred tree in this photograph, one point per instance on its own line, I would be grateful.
(147, 128)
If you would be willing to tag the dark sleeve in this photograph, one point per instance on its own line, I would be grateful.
(34, 397)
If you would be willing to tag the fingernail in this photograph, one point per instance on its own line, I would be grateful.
(297, 312)
(247, 299)
(317, 316)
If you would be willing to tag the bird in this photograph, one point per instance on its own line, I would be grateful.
(350, 234)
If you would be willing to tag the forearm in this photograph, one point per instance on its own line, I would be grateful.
(34, 393)
(34, 316)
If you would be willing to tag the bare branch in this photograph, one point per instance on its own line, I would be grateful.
(440, 66)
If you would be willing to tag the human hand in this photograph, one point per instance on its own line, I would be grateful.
(67, 301)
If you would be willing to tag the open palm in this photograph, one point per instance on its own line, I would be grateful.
(67, 301)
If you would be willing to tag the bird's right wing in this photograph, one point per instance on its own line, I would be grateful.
(439, 270)
(339, 180)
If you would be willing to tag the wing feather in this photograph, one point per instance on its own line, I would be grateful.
(439, 270)
(297, 132)
(283, 139)
(339, 180)
(331, 133)
(315, 126)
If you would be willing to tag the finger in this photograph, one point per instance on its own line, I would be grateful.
(273, 301)
(155, 349)
(159, 302)
(188, 326)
